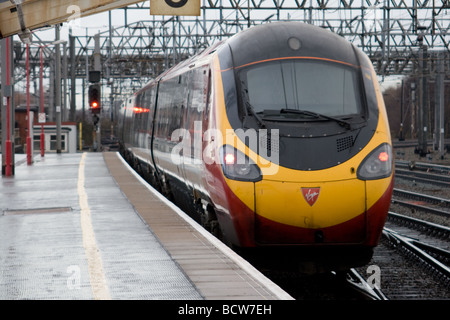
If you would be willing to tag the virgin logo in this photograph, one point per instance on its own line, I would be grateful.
(311, 195)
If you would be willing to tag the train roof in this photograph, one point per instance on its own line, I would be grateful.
(289, 39)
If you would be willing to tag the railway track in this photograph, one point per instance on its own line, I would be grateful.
(425, 177)
(422, 166)
(422, 206)
(441, 202)
(414, 257)
(405, 275)
(349, 286)
(414, 252)
(419, 231)
(423, 172)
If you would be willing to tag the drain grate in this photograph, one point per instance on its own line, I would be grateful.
(37, 210)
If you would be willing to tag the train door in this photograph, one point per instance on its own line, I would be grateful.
(186, 97)
(151, 101)
(198, 99)
(128, 122)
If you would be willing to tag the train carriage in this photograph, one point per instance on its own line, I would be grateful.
(275, 138)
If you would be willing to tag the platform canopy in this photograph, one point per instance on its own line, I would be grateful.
(22, 16)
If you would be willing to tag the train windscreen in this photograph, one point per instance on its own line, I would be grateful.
(316, 86)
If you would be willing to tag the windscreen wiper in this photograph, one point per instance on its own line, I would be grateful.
(249, 107)
(254, 114)
(345, 124)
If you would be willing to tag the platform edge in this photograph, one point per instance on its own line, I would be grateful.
(247, 267)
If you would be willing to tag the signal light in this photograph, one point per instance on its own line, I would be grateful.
(94, 98)
(140, 110)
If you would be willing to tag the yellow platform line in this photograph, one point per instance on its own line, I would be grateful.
(96, 274)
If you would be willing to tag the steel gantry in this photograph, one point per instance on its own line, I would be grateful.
(399, 36)
(391, 32)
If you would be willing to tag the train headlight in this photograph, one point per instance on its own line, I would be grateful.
(378, 164)
(237, 166)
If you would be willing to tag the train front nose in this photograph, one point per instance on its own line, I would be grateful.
(310, 212)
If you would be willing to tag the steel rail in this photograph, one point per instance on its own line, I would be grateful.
(358, 283)
(408, 245)
(440, 230)
(412, 165)
(423, 177)
(422, 208)
(422, 197)
(444, 255)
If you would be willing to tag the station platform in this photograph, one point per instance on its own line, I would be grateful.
(86, 226)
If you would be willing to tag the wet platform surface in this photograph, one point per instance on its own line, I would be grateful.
(84, 226)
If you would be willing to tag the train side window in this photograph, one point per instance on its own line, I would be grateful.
(208, 94)
(198, 103)
(161, 113)
(151, 105)
(172, 105)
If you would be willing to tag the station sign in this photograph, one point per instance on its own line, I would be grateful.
(175, 7)
(41, 117)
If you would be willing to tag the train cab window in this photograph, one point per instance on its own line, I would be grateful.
(324, 87)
